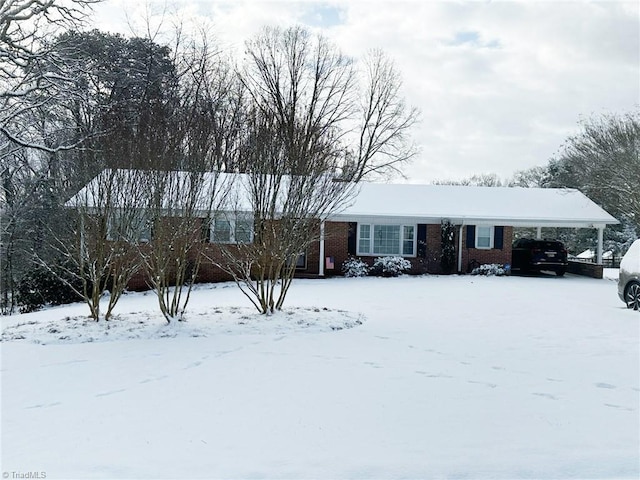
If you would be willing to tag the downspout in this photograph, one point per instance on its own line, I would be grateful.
(321, 261)
(460, 248)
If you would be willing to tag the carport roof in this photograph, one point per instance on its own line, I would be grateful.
(511, 206)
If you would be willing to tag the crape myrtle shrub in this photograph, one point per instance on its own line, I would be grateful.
(42, 286)
(389, 266)
(354, 267)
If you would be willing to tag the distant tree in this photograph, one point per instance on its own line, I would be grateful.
(533, 177)
(33, 86)
(25, 27)
(384, 145)
(310, 87)
(603, 161)
(476, 180)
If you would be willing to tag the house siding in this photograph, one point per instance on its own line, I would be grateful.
(470, 254)
(336, 246)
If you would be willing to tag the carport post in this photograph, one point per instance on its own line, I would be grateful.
(321, 265)
(599, 251)
(539, 233)
(460, 249)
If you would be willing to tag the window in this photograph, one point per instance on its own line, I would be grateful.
(364, 239)
(131, 226)
(301, 261)
(221, 231)
(484, 237)
(231, 229)
(243, 231)
(408, 239)
(386, 239)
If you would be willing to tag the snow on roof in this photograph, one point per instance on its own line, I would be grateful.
(516, 206)
(590, 254)
(513, 206)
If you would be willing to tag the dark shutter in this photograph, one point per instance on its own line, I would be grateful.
(471, 236)
(498, 237)
(352, 238)
(422, 240)
(206, 230)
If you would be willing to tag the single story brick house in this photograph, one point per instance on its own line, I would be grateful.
(406, 220)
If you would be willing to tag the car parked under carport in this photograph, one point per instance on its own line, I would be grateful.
(535, 255)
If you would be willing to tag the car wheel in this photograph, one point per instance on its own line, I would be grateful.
(632, 296)
(561, 272)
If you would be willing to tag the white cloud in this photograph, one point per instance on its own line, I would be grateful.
(500, 84)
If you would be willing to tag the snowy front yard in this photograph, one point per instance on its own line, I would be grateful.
(412, 377)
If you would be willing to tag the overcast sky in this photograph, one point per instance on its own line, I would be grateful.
(500, 85)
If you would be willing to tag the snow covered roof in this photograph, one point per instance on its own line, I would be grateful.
(511, 206)
(514, 206)
(591, 254)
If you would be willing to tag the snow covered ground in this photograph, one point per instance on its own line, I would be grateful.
(411, 377)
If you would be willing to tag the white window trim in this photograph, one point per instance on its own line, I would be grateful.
(491, 237)
(232, 227)
(371, 240)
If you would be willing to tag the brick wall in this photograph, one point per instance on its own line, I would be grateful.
(336, 236)
(336, 246)
(482, 256)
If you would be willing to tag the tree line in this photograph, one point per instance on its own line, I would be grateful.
(154, 130)
(603, 161)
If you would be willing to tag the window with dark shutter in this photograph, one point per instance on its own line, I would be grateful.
(498, 237)
(422, 240)
(205, 230)
(352, 238)
(471, 236)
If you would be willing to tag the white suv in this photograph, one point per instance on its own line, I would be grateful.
(629, 279)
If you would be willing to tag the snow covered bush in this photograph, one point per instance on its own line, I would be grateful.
(490, 269)
(354, 267)
(390, 266)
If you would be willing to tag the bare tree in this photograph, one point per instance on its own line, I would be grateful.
(530, 178)
(310, 87)
(25, 26)
(385, 121)
(283, 205)
(477, 180)
(179, 203)
(28, 93)
(99, 248)
(200, 139)
(311, 124)
(604, 162)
